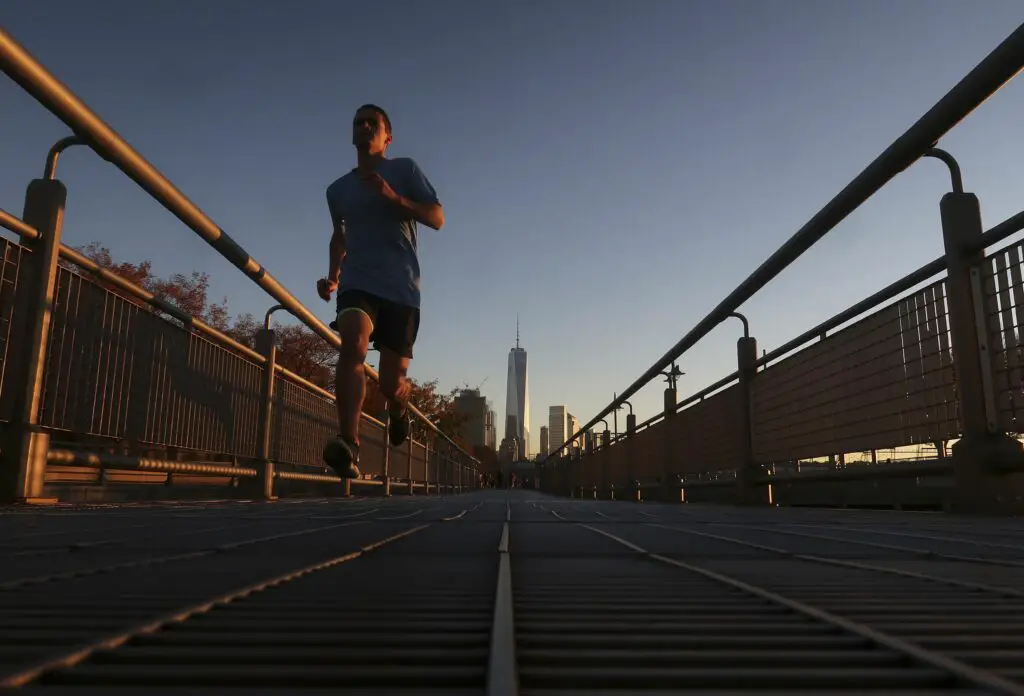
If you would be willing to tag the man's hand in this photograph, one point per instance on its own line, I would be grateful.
(325, 288)
(380, 185)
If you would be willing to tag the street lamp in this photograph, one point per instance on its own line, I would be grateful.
(671, 377)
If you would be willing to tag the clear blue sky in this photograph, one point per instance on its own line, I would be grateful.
(609, 170)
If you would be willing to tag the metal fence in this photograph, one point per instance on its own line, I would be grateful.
(910, 366)
(97, 375)
(121, 376)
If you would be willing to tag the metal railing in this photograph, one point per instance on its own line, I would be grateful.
(938, 363)
(105, 365)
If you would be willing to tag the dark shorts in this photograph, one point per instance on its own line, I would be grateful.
(395, 326)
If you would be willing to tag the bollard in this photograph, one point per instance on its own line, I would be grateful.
(23, 454)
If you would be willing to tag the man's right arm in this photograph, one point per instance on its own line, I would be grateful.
(336, 248)
(336, 252)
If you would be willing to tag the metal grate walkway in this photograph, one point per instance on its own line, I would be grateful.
(507, 593)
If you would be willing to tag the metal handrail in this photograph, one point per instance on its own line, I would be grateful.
(35, 79)
(994, 71)
(17, 225)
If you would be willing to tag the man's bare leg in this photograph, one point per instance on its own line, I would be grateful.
(354, 327)
(396, 389)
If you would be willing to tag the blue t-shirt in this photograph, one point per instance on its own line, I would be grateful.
(380, 244)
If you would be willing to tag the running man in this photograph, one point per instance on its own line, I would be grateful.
(373, 266)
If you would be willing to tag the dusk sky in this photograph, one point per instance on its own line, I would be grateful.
(609, 170)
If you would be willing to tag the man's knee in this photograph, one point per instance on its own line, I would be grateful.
(354, 328)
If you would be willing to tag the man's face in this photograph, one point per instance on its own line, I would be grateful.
(369, 131)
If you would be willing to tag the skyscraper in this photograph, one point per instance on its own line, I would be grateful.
(473, 409)
(545, 446)
(517, 398)
(492, 428)
(558, 427)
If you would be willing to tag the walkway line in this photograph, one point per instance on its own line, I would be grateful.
(858, 565)
(462, 514)
(18, 583)
(946, 664)
(79, 655)
(981, 560)
(502, 672)
(886, 532)
(399, 517)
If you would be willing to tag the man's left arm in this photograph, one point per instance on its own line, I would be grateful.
(421, 204)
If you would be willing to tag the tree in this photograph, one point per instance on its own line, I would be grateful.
(188, 293)
(438, 407)
(298, 349)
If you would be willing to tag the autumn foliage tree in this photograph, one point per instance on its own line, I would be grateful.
(188, 293)
(299, 349)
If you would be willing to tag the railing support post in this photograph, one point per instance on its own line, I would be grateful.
(667, 475)
(23, 455)
(606, 443)
(443, 480)
(983, 447)
(267, 346)
(747, 492)
(426, 467)
(630, 444)
(386, 468)
(408, 476)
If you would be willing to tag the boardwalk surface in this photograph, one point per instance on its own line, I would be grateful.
(407, 596)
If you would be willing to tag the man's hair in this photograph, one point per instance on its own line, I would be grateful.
(382, 112)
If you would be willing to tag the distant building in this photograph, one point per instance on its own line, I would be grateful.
(558, 425)
(545, 445)
(491, 428)
(509, 451)
(517, 398)
(475, 417)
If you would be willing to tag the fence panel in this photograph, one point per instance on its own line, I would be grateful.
(13, 273)
(1004, 304)
(886, 381)
(116, 369)
(708, 436)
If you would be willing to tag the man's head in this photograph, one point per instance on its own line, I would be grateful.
(371, 129)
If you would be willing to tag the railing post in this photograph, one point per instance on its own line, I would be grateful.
(267, 346)
(23, 456)
(409, 478)
(671, 399)
(983, 447)
(630, 444)
(443, 464)
(606, 443)
(426, 466)
(747, 492)
(457, 472)
(387, 455)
